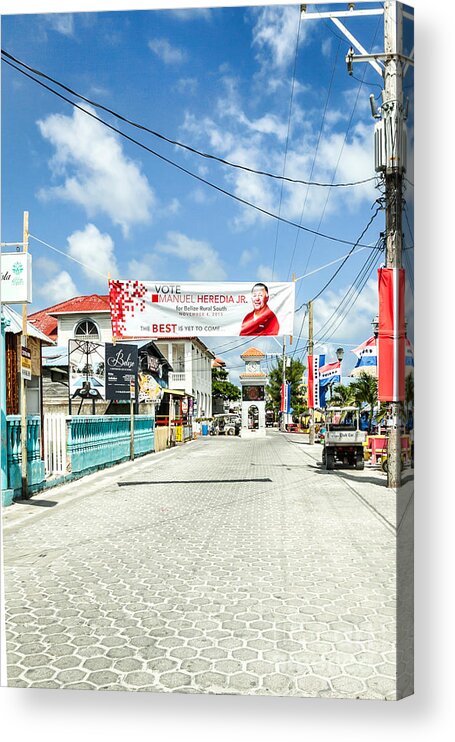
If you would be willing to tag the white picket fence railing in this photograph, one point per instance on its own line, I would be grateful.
(55, 439)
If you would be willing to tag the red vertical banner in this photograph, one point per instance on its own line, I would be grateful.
(392, 334)
(310, 383)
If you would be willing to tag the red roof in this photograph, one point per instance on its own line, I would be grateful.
(46, 321)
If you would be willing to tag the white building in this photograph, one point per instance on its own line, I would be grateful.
(192, 364)
(89, 318)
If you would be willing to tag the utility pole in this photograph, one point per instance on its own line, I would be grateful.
(23, 394)
(310, 353)
(390, 150)
(393, 116)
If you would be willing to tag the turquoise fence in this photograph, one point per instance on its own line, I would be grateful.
(92, 442)
(97, 441)
(35, 465)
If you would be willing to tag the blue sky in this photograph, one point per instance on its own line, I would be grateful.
(221, 81)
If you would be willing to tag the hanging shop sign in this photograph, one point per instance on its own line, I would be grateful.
(143, 309)
(121, 370)
(26, 364)
(86, 369)
(16, 281)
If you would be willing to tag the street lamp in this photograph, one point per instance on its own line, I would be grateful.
(375, 326)
(340, 354)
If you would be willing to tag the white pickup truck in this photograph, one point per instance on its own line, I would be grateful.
(343, 440)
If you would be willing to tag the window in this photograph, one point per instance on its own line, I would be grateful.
(86, 329)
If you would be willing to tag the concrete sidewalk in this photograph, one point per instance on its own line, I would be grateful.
(225, 566)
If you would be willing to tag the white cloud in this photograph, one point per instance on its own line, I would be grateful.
(59, 288)
(149, 267)
(97, 174)
(204, 261)
(61, 22)
(96, 251)
(187, 85)
(275, 35)
(191, 14)
(166, 52)
(247, 256)
(265, 273)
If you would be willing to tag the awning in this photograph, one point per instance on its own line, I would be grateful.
(175, 392)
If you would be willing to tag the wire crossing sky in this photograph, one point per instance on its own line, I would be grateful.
(203, 153)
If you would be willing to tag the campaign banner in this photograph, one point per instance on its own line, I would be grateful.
(121, 368)
(143, 309)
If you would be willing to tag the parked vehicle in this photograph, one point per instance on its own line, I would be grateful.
(226, 425)
(343, 440)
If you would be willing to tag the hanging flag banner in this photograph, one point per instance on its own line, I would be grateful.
(367, 360)
(314, 362)
(143, 309)
(391, 336)
(330, 373)
(286, 397)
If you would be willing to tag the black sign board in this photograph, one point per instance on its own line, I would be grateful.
(121, 369)
(253, 393)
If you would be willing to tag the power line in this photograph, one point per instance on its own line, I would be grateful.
(180, 167)
(164, 138)
(339, 155)
(348, 255)
(287, 141)
(316, 151)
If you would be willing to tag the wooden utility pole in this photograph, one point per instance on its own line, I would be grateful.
(23, 384)
(310, 353)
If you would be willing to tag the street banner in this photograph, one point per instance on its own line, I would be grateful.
(392, 335)
(143, 309)
(121, 369)
(286, 397)
(86, 369)
(16, 278)
(313, 382)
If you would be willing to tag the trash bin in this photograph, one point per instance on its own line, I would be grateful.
(205, 429)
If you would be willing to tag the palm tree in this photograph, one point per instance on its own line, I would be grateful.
(365, 392)
(342, 396)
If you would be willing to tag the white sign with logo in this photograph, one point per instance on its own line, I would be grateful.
(142, 309)
(16, 283)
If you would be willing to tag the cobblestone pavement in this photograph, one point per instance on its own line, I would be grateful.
(223, 566)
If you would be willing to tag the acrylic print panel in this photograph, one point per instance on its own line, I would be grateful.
(199, 540)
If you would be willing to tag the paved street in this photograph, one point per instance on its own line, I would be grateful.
(222, 566)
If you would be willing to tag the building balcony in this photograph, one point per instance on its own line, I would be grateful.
(177, 379)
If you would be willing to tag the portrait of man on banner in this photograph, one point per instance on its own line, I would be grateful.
(261, 321)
